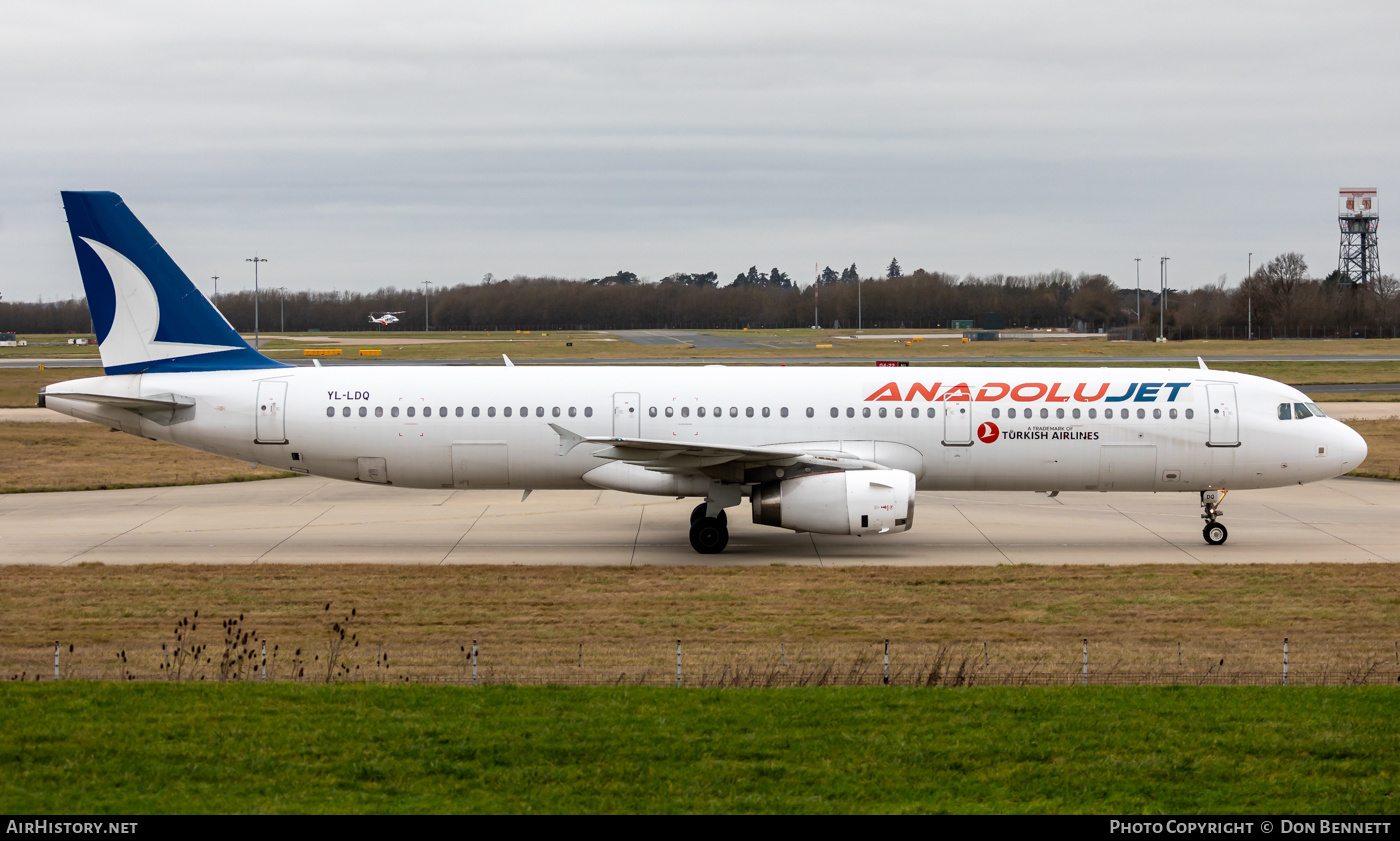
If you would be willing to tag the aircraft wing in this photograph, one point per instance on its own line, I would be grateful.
(680, 457)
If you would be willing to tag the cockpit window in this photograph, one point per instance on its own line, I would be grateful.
(1285, 411)
(1301, 411)
(1312, 407)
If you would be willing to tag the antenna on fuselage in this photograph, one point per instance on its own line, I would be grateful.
(1203, 363)
(509, 364)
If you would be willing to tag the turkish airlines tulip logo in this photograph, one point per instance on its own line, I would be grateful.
(988, 432)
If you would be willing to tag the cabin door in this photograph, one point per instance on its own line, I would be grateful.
(1224, 418)
(272, 426)
(627, 415)
(957, 423)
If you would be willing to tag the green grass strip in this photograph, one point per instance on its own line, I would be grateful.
(138, 748)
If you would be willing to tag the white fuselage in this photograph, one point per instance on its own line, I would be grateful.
(440, 427)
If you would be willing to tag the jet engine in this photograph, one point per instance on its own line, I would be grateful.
(848, 502)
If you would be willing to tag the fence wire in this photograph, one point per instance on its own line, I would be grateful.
(728, 664)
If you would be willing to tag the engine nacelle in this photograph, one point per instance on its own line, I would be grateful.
(850, 502)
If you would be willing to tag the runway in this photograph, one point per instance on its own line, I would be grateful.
(312, 520)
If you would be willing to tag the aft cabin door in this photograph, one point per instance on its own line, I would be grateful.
(627, 415)
(1224, 419)
(272, 427)
(957, 423)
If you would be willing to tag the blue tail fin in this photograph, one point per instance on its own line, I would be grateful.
(148, 316)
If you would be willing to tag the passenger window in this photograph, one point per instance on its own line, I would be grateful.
(1010, 413)
(588, 411)
(850, 413)
(490, 411)
(379, 411)
(1171, 413)
(835, 412)
(930, 412)
(719, 411)
(1060, 413)
(1044, 413)
(767, 413)
(505, 411)
(734, 411)
(345, 412)
(865, 412)
(363, 411)
(1142, 413)
(748, 412)
(1285, 411)
(914, 413)
(810, 412)
(651, 412)
(1093, 413)
(700, 411)
(442, 411)
(899, 411)
(410, 411)
(1190, 413)
(685, 411)
(882, 411)
(1074, 413)
(330, 411)
(554, 411)
(1157, 414)
(459, 411)
(394, 412)
(783, 411)
(476, 411)
(573, 411)
(524, 411)
(670, 411)
(1301, 411)
(539, 411)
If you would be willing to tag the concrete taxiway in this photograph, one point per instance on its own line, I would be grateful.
(312, 520)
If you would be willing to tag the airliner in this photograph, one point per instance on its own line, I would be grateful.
(813, 449)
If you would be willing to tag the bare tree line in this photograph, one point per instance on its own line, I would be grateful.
(1279, 299)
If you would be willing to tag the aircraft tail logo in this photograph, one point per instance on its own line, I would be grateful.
(148, 316)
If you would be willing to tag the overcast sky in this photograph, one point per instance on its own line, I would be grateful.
(358, 145)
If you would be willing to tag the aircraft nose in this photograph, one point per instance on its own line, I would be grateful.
(1350, 446)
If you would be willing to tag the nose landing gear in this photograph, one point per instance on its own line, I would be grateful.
(1215, 533)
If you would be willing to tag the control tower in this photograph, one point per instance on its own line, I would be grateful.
(1358, 215)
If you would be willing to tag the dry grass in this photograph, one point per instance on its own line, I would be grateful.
(734, 621)
(19, 387)
(1383, 448)
(84, 456)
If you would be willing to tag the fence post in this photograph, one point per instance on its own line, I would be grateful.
(473, 662)
(580, 655)
(782, 650)
(1285, 661)
(1086, 661)
(887, 662)
(986, 659)
(678, 664)
(55, 659)
(264, 660)
(1178, 653)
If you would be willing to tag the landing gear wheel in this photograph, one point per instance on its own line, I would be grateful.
(1215, 533)
(700, 512)
(709, 536)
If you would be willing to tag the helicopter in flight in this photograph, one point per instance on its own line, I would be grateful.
(385, 319)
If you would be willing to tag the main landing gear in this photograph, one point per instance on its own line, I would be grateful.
(708, 535)
(1214, 533)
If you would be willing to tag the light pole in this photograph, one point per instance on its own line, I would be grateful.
(427, 293)
(1137, 264)
(1162, 309)
(216, 289)
(1249, 323)
(282, 301)
(255, 260)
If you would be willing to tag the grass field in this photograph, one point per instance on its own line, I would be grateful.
(529, 621)
(85, 456)
(245, 748)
